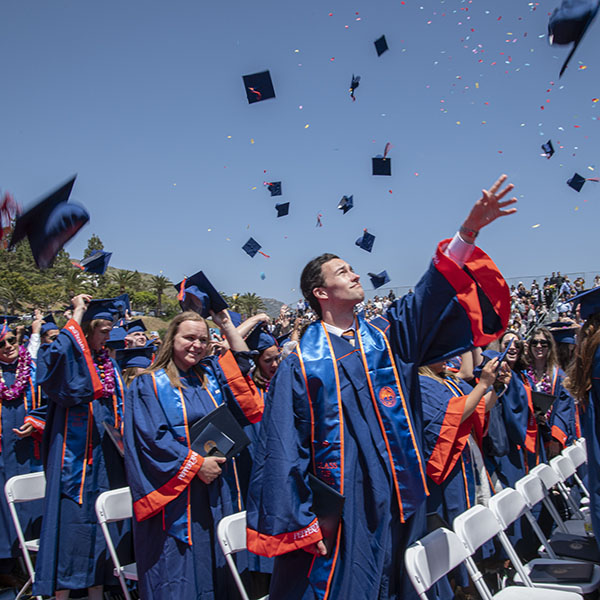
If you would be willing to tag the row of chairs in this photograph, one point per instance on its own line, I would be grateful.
(427, 561)
(569, 549)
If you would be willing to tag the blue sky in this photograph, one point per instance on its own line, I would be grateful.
(144, 100)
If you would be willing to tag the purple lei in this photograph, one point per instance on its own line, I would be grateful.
(17, 389)
(106, 371)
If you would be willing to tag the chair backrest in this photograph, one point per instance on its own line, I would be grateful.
(564, 466)
(476, 526)
(231, 532)
(531, 488)
(114, 505)
(576, 453)
(432, 557)
(23, 488)
(547, 474)
(507, 505)
(583, 444)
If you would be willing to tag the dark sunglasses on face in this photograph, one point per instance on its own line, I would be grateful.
(10, 341)
(542, 343)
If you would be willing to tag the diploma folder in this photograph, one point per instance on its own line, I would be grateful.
(575, 546)
(562, 572)
(218, 434)
(327, 505)
(115, 437)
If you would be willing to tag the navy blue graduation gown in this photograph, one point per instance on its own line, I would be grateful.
(17, 457)
(176, 514)
(383, 484)
(80, 462)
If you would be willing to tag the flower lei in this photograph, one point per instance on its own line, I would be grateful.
(17, 389)
(543, 385)
(106, 372)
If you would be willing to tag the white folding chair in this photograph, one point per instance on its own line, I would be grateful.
(112, 506)
(231, 532)
(476, 526)
(25, 488)
(583, 445)
(565, 469)
(508, 506)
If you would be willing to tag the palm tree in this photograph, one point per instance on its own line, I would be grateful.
(72, 282)
(11, 299)
(123, 279)
(159, 284)
(249, 303)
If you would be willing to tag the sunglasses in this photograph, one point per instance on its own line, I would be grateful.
(10, 341)
(541, 343)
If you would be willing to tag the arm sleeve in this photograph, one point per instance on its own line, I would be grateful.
(34, 345)
(159, 466)
(279, 515)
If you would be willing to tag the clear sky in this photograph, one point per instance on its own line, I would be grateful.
(144, 100)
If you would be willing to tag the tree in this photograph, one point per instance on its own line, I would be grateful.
(159, 284)
(249, 303)
(143, 300)
(94, 243)
(123, 279)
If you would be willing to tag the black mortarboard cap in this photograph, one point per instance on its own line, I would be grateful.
(48, 325)
(200, 295)
(382, 166)
(259, 87)
(379, 279)
(548, 148)
(381, 45)
(134, 326)
(346, 203)
(275, 188)
(251, 247)
(50, 224)
(282, 209)
(563, 333)
(260, 339)
(116, 338)
(366, 241)
(96, 262)
(235, 317)
(590, 302)
(5, 321)
(576, 182)
(109, 309)
(569, 22)
(140, 357)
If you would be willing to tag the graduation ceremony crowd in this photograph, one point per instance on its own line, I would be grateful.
(400, 414)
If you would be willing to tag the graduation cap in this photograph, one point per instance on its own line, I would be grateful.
(381, 45)
(135, 326)
(96, 262)
(576, 182)
(116, 338)
(49, 225)
(282, 209)
(589, 301)
(259, 339)
(366, 241)
(109, 309)
(197, 293)
(379, 279)
(548, 149)
(136, 357)
(353, 85)
(274, 187)
(48, 325)
(258, 87)
(563, 333)
(569, 22)
(235, 317)
(382, 165)
(251, 247)
(5, 321)
(346, 203)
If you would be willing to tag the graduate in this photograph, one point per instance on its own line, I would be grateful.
(18, 395)
(180, 496)
(345, 407)
(85, 395)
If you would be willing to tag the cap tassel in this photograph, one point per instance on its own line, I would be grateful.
(319, 222)
(388, 147)
(265, 255)
(76, 264)
(181, 295)
(258, 94)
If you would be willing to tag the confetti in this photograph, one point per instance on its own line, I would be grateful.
(535, 226)
(306, 126)
(252, 140)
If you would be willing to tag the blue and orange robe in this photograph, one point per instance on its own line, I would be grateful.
(17, 457)
(80, 462)
(352, 416)
(176, 514)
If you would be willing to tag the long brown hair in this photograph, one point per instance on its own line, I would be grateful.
(552, 358)
(579, 374)
(164, 358)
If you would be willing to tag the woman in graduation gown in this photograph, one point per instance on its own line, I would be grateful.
(179, 496)
(85, 395)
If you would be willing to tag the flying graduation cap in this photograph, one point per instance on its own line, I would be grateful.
(96, 262)
(382, 165)
(353, 85)
(259, 87)
(274, 187)
(569, 22)
(49, 225)
(251, 247)
(379, 279)
(197, 293)
(365, 241)
(381, 45)
(282, 209)
(577, 181)
(346, 203)
(548, 149)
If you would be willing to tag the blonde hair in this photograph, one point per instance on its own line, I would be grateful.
(88, 327)
(164, 358)
(443, 374)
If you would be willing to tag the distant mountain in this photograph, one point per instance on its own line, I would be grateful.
(272, 307)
